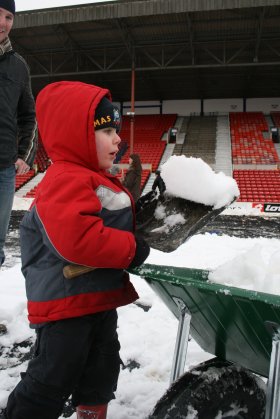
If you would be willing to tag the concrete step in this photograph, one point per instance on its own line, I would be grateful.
(223, 147)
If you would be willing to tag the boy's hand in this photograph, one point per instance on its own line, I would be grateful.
(141, 253)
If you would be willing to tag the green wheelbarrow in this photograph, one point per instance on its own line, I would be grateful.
(240, 328)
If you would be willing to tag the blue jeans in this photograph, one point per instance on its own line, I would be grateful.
(7, 191)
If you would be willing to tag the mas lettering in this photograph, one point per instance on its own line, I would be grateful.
(102, 121)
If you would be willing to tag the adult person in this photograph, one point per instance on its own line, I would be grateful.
(132, 179)
(18, 132)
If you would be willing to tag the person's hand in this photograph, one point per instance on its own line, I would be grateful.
(21, 167)
(141, 253)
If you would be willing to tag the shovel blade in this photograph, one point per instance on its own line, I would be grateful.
(160, 234)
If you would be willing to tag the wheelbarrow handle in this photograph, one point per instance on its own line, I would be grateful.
(72, 271)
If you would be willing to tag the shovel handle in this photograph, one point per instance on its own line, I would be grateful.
(72, 271)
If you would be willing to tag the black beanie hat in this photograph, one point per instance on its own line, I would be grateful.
(8, 5)
(107, 115)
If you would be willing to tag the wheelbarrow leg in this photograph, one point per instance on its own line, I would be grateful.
(273, 385)
(181, 346)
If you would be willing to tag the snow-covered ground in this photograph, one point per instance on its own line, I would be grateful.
(148, 335)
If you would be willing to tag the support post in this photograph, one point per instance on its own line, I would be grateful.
(273, 384)
(201, 107)
(132, 109)
(181, 346)
(244, 104)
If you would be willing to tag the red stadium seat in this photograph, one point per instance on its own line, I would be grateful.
(248, 143)
(258, 185)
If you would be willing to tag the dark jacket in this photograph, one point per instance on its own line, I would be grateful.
(18, 129)
(159, 183)
(132, 180)
(81, 215)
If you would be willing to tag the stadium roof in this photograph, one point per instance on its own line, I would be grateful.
(181, 49)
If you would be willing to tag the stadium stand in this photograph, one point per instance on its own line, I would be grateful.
(148, 132)
(258, 185)
(251, 148)
(200, 139)
(248, 143)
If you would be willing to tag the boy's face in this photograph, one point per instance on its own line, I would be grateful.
(6, 23)
(107, 141)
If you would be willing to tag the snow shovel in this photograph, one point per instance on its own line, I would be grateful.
(165, 223)
(168, 222)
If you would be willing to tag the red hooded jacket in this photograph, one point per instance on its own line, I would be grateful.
(80, 215)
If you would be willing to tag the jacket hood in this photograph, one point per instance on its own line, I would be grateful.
(65, 114)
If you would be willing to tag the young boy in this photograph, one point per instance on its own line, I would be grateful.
(81, 215)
